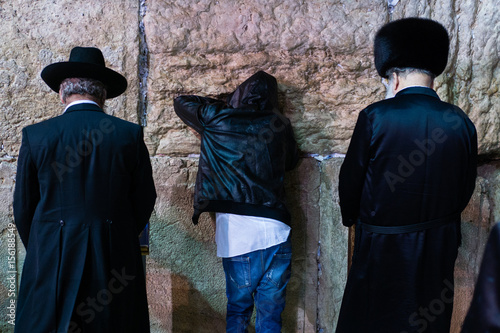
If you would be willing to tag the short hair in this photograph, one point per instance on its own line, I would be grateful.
(83, 86)
(408, 70)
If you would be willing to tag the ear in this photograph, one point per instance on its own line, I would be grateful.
(397, 82)
(60, 97)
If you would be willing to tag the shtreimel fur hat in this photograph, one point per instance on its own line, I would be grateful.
(85, 62)
(411, 42)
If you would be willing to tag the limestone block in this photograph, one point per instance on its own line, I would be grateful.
(36, 34)
(303, 194)
(186, 283)
(177, 142)
(321, 54)
(319, 51)
(10, 247)
(471, 79)
(477, 221)
(334, 248)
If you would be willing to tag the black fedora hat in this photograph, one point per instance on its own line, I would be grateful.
(85, 62)
(411, 42)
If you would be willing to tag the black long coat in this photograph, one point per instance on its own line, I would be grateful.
(411, 163)
(484, 312)
(84, 191)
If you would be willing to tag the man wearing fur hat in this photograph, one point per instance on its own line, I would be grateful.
(408, 174)
(84, 191)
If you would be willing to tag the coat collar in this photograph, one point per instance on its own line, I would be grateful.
(83, 107)
(418, 90)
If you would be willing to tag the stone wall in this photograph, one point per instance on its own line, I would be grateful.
(321, 53)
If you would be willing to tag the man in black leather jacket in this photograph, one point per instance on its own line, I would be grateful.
(409, 172)
(246, 147)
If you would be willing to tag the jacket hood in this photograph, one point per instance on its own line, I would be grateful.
(259, 91)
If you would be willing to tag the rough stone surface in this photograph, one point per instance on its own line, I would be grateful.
(321, 53)
(36, 34)
(471, 79)
(333, 257)
(477, 221)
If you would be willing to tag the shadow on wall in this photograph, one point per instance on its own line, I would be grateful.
(176, 305)
(300, 313)
(191, 312)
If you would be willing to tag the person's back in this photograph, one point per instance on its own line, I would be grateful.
(409, 172)
(87, 158)
(84, 191)
(414, 177)
(246, 147)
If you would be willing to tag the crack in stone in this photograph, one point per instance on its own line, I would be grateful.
(143, 66)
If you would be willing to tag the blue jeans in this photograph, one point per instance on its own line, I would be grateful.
(261, 277)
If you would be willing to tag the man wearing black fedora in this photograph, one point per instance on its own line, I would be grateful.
(84, 191)
(409, 172)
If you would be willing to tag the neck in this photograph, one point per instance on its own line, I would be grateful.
(76, 97)
(411, 80)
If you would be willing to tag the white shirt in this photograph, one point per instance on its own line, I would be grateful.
(80, 101)
(239, 234)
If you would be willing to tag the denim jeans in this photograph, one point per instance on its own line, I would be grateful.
(258, 277)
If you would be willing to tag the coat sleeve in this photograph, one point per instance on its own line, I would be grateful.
(471, 169)
(27, 192)
(193, 110)
(353, 170)
(143, 193)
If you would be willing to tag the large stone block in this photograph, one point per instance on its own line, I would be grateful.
(471, 79)
(333, 258)
(36, 34)
(11, 247)
(319, 51)
(477, 221)
(321, 54)
(183, 256)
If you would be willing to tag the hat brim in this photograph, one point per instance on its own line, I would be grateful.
(55, 73)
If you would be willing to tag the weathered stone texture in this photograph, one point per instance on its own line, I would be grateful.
(185, 278)
(333, 258)
(477, 221)
(35, 34)
(321, 54)
(8, 242)
(186, 285)
(471, 80)
(209, 47)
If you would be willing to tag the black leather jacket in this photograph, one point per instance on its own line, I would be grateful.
(246, 147)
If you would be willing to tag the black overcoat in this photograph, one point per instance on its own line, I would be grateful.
(84, 191)
(411, 164)
(484, 312)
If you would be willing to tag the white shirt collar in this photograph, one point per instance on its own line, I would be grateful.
(80, 101)
(415, 86)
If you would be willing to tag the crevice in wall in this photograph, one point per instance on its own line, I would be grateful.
(143, 67)
(319, 159)
(318, 262)
(390, 7)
